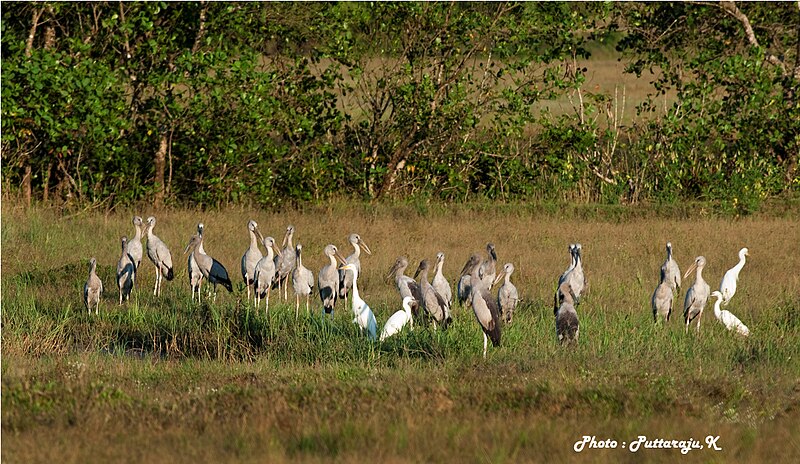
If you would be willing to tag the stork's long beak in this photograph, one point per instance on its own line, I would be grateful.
(285, 238)
(260, 237)
(277, 251)
(500, 276)
(188, 245)
(392, 270)
(690, 270)
(364, 246)
(416, 273)
(341, 258)
(467, 269)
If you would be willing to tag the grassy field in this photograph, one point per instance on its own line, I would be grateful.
(164, 380)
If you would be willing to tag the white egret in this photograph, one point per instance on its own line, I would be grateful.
(730, 321)
(728, 286)
(362, 312)
(399, 319)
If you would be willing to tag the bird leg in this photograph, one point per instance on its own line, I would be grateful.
(269, 289)
(485, 341)
(297, 306)
(308, 311)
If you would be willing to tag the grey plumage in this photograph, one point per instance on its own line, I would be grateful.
(465, 280)
(302, 281)
(328, 280)
(574, 276)
(264, 273)
(251, 256)
(285, 262)
(563, 278)
(92, 289)
(346, 278)
(432, 301)
(697, 295)
(195, 276)
(135, 247)
(125, 272)
(507, 295)
(567, 325)
(210, 269)
(440, 283)
(662, 298)
(489, 266)
(485, 308)
(406, 286)
(673, 272)
(159, 255)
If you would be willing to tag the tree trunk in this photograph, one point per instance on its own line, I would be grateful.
(160, 165)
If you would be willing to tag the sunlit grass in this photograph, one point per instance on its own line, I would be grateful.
(222, 381)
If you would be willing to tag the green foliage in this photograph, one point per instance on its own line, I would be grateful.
(261, 103)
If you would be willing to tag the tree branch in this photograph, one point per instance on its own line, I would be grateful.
(731, 8)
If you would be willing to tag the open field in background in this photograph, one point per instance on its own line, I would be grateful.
(168, 381)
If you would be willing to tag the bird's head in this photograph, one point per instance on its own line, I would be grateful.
(744, 252)
(137, 221)
(252, 225)
(193, 243)
(491, 251)
(400, 264)
(440, 257)
(349, 267)
(698, 263)
(200, 227)
(410, 304)
(423, 267)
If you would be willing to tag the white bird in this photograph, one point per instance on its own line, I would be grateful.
(673, 272)
(406, 286)
(574, 276)
(507, 295)
(160, 256)
(92, 289)
(210, 269)
(345, 279)
(135, 247)
(662, 297)
(284, 262)
(697, 295)
(485, 308)
(440, 283)
(195, 275)
(567, 324)
(399, 319)
(264, 274)
(302, 281)
(125, 272)
(728, 286)
(251, 256)
(362, 312)
(328, 280)
(726, 317)
(433, 303)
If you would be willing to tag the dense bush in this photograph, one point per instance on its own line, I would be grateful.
(218, 103)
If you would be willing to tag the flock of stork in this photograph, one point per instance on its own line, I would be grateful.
(422, 299)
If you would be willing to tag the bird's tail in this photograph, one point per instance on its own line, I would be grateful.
(170, 274)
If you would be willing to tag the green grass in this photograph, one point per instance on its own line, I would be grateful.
(168, 380)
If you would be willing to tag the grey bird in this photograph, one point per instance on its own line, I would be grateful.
(673, 272)
(440, 283)
(328, 279)
(485, 308)
(125, 272)
(465, 280)
(507, 295)
(251, 256)
(302, 281)
(697, 295)
(489, 266)
(210, 269)
(264, 273)
(567, 326)
(662, 298)
(575, 277)
(135, 247)
(432, 301)
(195, 276)
(563, 278)
(346, 278)
(159, 255)
(92, 289)
(284, 262)
(406, 286)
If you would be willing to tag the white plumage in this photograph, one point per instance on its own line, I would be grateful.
(399, 319)
(731, 322)
(364, 316)
(728, 286)
(302, 281)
